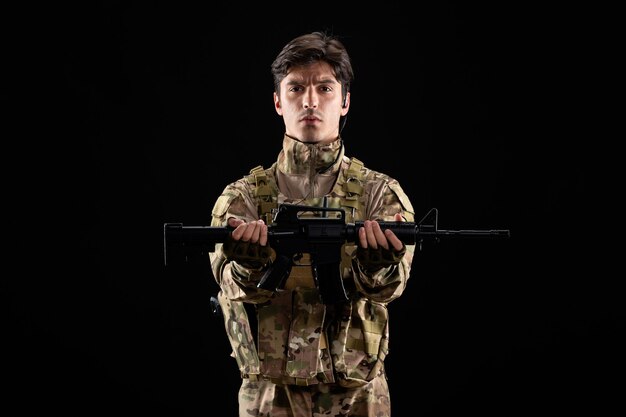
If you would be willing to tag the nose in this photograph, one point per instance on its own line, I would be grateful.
(310, 99)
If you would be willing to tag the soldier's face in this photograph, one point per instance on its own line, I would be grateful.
(310, 103)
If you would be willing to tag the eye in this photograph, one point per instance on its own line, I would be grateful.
(326, 89)
(296, 88)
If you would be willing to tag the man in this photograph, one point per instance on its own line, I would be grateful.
(310, 357)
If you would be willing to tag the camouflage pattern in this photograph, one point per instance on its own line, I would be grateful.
(309, 353)
(290, 333)
(238, 330)
(265, 399)
(360, 343)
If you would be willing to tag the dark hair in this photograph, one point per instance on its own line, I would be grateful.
(311, 48)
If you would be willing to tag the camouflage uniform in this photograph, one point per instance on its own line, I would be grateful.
(312, 359)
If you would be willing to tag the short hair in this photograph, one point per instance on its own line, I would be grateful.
(310, 48)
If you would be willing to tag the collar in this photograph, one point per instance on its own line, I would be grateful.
(298, 157)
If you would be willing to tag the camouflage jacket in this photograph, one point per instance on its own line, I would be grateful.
(301, 340)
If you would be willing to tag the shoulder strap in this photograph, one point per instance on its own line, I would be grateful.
(353, 186)
(265, 191)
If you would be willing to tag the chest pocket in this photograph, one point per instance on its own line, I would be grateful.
(265, 191)
(352, 190)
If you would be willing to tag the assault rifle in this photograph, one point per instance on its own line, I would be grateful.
(319, 231)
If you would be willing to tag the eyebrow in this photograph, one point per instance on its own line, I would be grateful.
(322, 81)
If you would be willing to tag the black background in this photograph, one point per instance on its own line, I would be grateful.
(140, 113)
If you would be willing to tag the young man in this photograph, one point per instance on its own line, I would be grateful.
(310, 356)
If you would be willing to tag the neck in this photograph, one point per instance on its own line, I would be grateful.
(303, 157)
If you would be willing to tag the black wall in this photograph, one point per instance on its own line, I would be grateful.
(140, 114)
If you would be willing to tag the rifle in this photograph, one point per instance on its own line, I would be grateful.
(293, 232)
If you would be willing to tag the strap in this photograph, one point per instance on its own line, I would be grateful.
(371, 344)
(353, 186)
(264, 191)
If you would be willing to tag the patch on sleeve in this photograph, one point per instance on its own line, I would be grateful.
(404, 199)
(222, 204)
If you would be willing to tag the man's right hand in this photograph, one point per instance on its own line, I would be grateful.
(253, 232)
(247, 244)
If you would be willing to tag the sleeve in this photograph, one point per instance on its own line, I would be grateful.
(386, 198)
(236, 282)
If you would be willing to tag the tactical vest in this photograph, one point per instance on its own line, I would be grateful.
(346, 194)
(360, 339)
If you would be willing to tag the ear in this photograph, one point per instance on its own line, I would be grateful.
(277, 107)
(346, 104)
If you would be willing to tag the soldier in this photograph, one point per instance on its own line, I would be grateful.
(307, 357)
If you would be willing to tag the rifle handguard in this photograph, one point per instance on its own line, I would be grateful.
(246, 254)
(375, 259)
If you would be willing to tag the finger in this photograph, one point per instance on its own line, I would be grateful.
(379, 235)
(362, 238)
(398, 217)
(263, 234)
(393, 240)
(234, 222)
(249, 231)
(239, 231)
(371, 236)
(256, 232)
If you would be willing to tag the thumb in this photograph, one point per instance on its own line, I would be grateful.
(234, 222)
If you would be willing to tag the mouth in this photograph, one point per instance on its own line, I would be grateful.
(310, 120)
